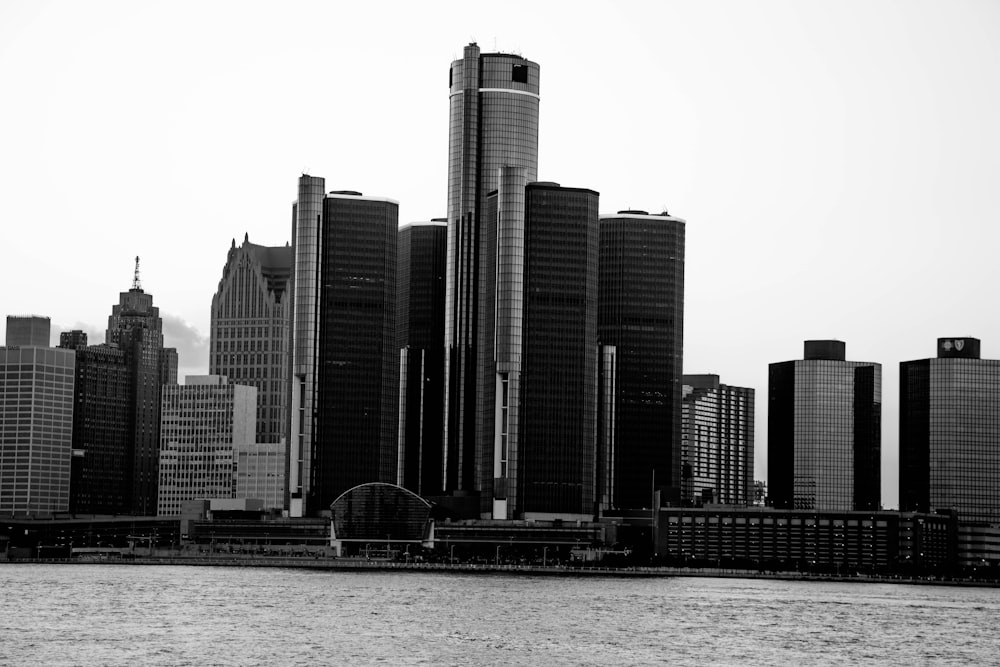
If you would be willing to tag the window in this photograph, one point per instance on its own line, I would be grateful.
(519, 74)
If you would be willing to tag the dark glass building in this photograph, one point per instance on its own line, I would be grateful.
(640, 329)
(249, 339)
(135, 327)
(345, 366)
(493, 123)
(824, 431)
(421, 286)
(24, 330)
(543, 380)
(949, 432)
(717, 442)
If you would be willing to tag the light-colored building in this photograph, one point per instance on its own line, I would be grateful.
(205, 424)
(36, 429)
(716, 442)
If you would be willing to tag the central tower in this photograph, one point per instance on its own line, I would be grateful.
(493, 124)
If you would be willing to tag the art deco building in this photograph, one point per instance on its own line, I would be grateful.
(249, 337)
(716, 442)
(421, 273)
(135, 327)
(542, 378)
(824, 431)
(36, 425)
(640, 329)
(206, 424)
(493, 123)
(345, 353)
(949, 432)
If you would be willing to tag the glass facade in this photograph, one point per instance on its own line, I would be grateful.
(641, 315)
(421, 277)
(36, 429)
(825, 434)
(250, 330)
(493, 123)
(717, 442)
(949, 435)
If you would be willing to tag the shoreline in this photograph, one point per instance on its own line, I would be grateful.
(358, 565)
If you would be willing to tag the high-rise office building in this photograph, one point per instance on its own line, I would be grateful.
(102, 456)
(249, 335)
(73, 340)
(949, 432)
(25, 330)
(420, 285)
(542, 378)
(36, 425)
(716, 442)
(494, 123)
(345, 355)
(824, 431)
(206, 423)
(640, 329)
(136, 328)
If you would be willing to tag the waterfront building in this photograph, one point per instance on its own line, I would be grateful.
(640, 329)
(23, 330)
(101, 480)
(249, 330)
(135, 327)
(542, 378)
(36, 425)
(344, 409)
(716, 442)
(493, 123)
(949, 432)
(422, 249)
(824, 431)
(206, 423)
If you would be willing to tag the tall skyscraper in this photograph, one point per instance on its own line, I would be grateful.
(36, 425)
(494, 123)
(345, 354)
(136, 328)
(716, 442)
(949, 432)
(206, 423)
(102, 456)
(421, 274)
(542, 378)
(640, 328)
(824, 431)
(28, 330)
(249, 338)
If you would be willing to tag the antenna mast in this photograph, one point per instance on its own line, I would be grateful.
(136, 285)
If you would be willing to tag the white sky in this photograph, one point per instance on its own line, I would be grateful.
(838, 163)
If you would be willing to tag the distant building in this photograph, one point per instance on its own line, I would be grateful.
(206, 423)
(136, 328)
(493, 121)
(949, 432)
(27, 330)
(73, 340)
(420, 302)
(542, 380)
(824, 431)
(345, 355)
(36, 427)
(640, 330)
(717, 442)
(249, 334)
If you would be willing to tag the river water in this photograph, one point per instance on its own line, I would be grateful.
(151, 615)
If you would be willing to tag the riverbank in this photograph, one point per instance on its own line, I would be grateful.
(364, 565)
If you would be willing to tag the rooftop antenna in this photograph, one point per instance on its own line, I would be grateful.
(136, 285)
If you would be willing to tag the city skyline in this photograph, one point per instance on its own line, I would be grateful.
(836, 168)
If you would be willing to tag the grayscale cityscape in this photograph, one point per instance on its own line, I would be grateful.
(488, 412)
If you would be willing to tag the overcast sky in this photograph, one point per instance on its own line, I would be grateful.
(838, 164)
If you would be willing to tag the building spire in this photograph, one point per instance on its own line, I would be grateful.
(136, 285)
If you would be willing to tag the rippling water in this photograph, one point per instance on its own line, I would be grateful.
(146, 615)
